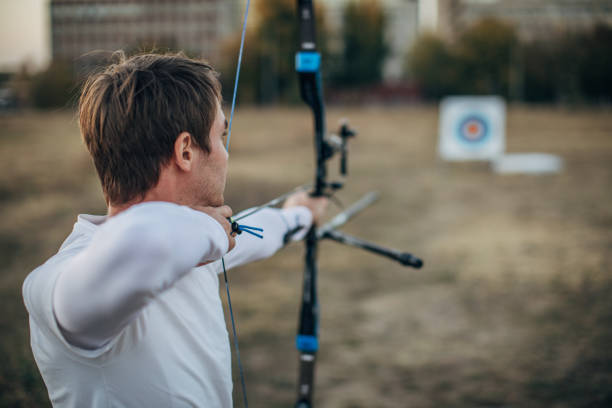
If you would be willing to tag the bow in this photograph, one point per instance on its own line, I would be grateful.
(308, 64)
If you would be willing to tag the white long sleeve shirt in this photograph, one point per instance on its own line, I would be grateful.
(139, 326)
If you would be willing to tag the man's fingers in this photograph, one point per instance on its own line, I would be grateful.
(232, 242)
(225, 211)
(221, 215)
(316, 205)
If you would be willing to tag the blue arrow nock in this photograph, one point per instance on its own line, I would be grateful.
(239, 228)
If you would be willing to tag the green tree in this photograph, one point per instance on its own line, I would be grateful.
(574, 67)
(596, 66)
(539, 62)
(479, 62)
(365, 49)
(433, 66)
(54, 87)
(268, 65)
(484, 52)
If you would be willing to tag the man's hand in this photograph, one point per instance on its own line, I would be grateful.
(316, 205)
(220, 214)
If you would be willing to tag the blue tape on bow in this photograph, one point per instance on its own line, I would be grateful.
(307, 61)
(306, 343)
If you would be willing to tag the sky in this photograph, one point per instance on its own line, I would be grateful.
(24, 33)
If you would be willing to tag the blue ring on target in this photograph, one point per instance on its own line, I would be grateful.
(473, 130)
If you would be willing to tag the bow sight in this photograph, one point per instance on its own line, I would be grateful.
(337, 144)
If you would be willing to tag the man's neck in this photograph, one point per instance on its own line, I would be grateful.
(114, 209)
(152, 195)
(165, 190)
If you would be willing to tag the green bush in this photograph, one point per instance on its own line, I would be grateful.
(488, 59)
(484, 52)
(434, 67)
(54, 87)
(268, 66)
(478, 63)
(364, 46)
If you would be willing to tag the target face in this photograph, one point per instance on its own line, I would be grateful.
(473, 130)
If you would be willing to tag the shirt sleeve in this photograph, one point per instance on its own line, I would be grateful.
(276, 223)
(132, 257)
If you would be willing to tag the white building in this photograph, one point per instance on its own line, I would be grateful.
(402, 29)
(79, 27)
(533, 19)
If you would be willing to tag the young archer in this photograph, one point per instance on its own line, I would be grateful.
(127, 313)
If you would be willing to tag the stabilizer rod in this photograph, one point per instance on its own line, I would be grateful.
(404, 258)
(347, 214)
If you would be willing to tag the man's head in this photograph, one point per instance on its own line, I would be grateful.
(154, 121)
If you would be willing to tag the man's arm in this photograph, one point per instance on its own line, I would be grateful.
(299, 210)
(133, 257)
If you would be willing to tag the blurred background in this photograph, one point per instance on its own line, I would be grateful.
(514, 305)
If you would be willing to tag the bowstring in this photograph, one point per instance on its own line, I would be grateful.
(229, 134)
(244, 24)
(229, 304)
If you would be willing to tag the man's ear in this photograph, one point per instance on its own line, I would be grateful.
(184, 151)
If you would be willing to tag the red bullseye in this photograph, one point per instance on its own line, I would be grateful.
(473, 130)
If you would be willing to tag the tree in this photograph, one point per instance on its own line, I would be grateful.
(573, 67)
(55, 86)
(268, 65)
(539, 72)
(485, 51)
(596, 66)
(478, 63)
(365, 49)
(433, 66)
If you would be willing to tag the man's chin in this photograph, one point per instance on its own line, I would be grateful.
(214, 202)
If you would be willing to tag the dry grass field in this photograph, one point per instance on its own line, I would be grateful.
(512, 309)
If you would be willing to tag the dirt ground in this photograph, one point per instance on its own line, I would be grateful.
(512, 309)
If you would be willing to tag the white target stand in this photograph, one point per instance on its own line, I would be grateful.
(472, 128)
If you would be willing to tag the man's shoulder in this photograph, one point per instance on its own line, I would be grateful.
(74, 243)
(39, 283)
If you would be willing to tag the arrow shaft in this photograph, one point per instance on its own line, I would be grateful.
(274, 201)
(342, 218)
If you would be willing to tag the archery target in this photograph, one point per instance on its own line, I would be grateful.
(472, 128)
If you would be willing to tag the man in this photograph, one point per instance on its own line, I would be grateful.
(127, 313)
